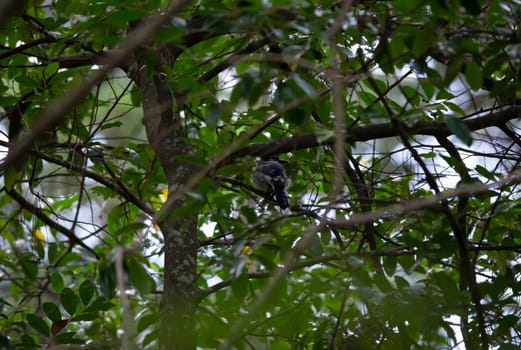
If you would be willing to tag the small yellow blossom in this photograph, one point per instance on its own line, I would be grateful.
(164, 194)
(38, 234)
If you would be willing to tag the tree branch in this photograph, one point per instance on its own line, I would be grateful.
(56, 111)
(114, 184)
(41, 215)
(373, 132)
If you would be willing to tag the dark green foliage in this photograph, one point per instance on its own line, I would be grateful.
(426, 93)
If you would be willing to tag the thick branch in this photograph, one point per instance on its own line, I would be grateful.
(374, 132)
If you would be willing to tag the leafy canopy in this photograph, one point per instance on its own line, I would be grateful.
(397, 121)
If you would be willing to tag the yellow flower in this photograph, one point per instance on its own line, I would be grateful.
(157, 201)
(164, 194)
(38, 234)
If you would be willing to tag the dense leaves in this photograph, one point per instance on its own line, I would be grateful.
(397, 124)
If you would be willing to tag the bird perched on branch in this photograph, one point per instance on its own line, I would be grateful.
(270, 177)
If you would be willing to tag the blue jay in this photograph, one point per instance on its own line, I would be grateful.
(270, 177)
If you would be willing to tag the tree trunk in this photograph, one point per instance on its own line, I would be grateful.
(168, 138)
(180, 285)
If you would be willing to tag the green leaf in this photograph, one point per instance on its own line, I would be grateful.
(506, 324)
(213, 114)
(412, 94)
(86, 291)
(52, 68)
(146, 321)
(422, 41)
(39, 248)
(444, 95)
(508, 346)
(428, 155)
(149, 338)
(100, 304)
(390, 264)
(473, 75)
(455, 108)
(57, 282)
(107, 279)
(139, 277)
(69, 300)
(69, 338)
(29, 266)
(485, 173)
(28, 82)
(428, 88)
(401, 282)
(296, 116)
(11, 177)
(452, 71)
(448, 287)
(111, 125)
(135, 96)
(52, 311)
(240, 287)
(305, 86)
(86, 316)
(38, 324)
(284, 95)
(459, 129)
(130, 228)
(28, 342)
(405, 5)
(52, 252)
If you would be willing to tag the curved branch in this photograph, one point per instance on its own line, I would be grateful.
(113, 184)
(41, 215)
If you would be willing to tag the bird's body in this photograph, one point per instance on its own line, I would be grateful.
(270, 177)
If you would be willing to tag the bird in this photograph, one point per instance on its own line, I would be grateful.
(270, 177)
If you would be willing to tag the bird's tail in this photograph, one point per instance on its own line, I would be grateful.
(281, 197)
